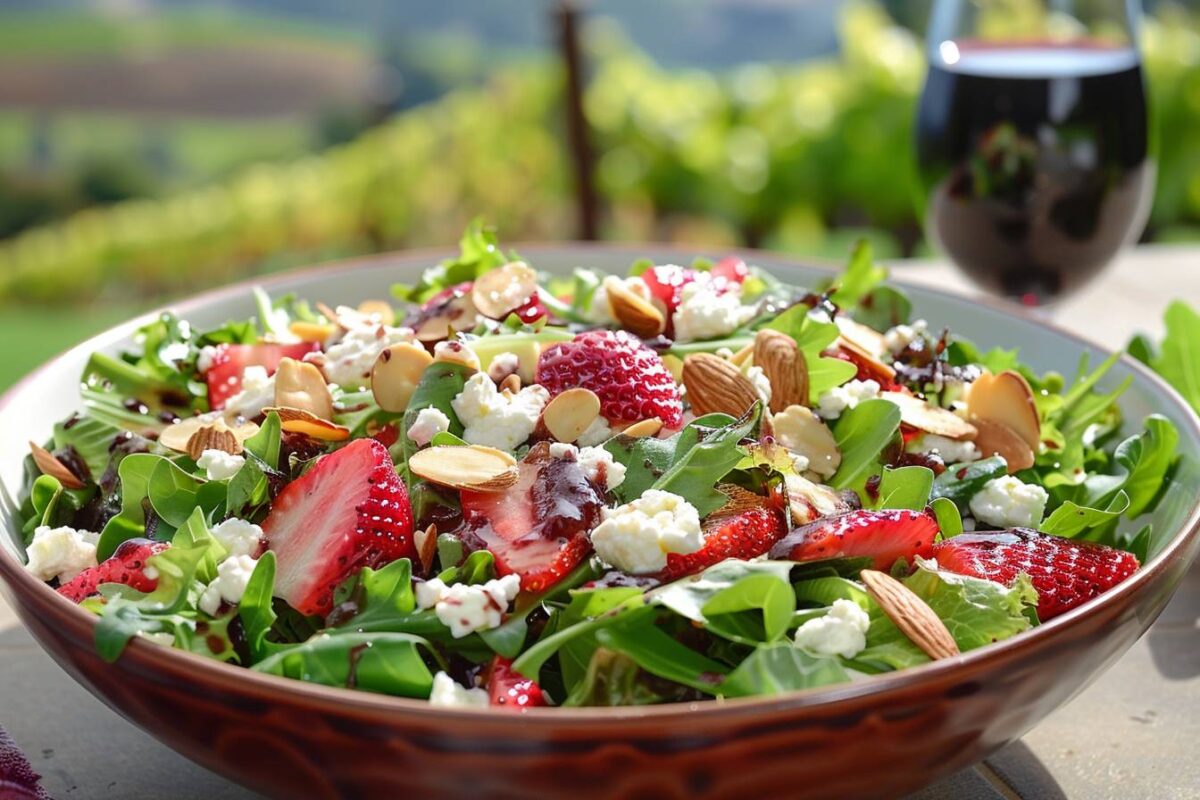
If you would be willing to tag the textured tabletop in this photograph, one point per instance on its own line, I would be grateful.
(1133, 734)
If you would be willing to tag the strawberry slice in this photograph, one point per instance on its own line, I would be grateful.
(349, 511)
(885, 536)
(744, 528)
(538, 529)
(666, 284)
(1066, 573)
(127, 565)
(731, 269)
(511, 690)
(224, 377)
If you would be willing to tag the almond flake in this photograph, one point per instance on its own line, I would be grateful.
(801, 431)
(1006, 398)
(474, 468)
(511, 384)
(426, 543)
(643, 428)
(910, 613)
(298, 420)
(396, 373)
(498, 292)
(997, 439)
(930, 418)
(47, 464)
(378, 309)
(311, 331)
(570, 413)
(301, 385)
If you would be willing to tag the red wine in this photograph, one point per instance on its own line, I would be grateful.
(1034, 161)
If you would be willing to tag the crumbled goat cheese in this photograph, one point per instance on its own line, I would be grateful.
(494, 419)
(841, 632)
(60, 552)
(799, 462)
(219, 465)
(466, 608)
(596, 433)
(230, 584)
(832, 403)
(430, 422)
(901, 336)
(258, 392)
(760, 382)
(951, 451)
(637, 536)
(239, 537)
(204, 359)
(449, 693)
(705, 313)
(503, 365)
(349, 360)
(1006, 502)
(596, 462)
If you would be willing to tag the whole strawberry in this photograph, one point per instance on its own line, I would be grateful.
(1065, 573)
(127, 565)
(629, 378)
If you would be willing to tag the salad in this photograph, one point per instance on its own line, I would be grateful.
(503, 488)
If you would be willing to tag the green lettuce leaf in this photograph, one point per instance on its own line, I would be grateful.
(903, 487)
(388, 663)
(862, 433)
(781, 667)
(1179, 359)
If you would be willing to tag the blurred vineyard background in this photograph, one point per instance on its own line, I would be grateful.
(149, 149)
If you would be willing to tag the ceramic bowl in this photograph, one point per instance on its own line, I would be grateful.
(878, 737)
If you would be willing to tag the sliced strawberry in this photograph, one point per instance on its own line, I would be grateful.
(224, 377)
(511, 690)
(531, 310)
(731, 269)
(538, 529)
(1066, 573)
(127, 566)
(349, 511)
(867, 370)
(885, 536)
(745, 528)
(666, 284)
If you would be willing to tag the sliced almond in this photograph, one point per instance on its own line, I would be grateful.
(674, 365)
(801, 431)
(216, 436)
(301, 385)
(740, 358)
(426, 542)
(475, 468)
(456, 351)
(930, 418)
(570, 413)
(1008, 399)
(782, 362)
(499, 291)
(378, 309)
(396, 373)
(636, 314)
(47, 464)
(177, 436)
(329, 314)
(912, 615)
(311, 331)
(644, 428)
(714, 385)
(997, 439)
(878, 369)
(862, 338)
(299, 420)
(458, 313)
(808, 501)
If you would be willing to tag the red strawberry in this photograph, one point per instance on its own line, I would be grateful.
(885, 536)
(630, 379)
(349, 511)
(731, 269)
(745, 528)
(537, 529)
(666, 284)
(511, 690)
(867, 370)
(126, 566)
(1066, 573)
(225, 375)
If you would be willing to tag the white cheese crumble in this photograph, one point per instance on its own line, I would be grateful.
(494, 419)
(466, 608)
(841, 632)
(60, 553)
(348, 361)
(205, 358)
(800, 462)
(596, 433)
(832, 403)
(456, 352)
(430, 422)
(951, 451)
(219, 465)
(901, 336)
(449, 693)
(637, 536)
(503, 365)
(596, 462)
(761, 383)
(230, 584)
(705, 313)
(1006, 502)
(258, 392)
(239, 537)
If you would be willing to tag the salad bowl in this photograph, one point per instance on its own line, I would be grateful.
(880, 736)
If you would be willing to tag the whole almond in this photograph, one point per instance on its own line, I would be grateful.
(299, 420)
(177, 436)
(511, 384)
(570, 413)
(301, 385)
(997, 439)
(396, 373)
(47, 464)
(635, 313)
(930, 418)
(911, 614)
(474, 468)
(216, 436)
(714, 385)
(782, 362)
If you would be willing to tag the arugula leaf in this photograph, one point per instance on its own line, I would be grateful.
(172, 492)
(256, 611)
(638, 636)
(813, 336)
(1070, 519)
(823, 591)
(862, 433)
(611, 679)
(769, 596)
(1179, 359)
(134, 473)
(949, 520)
(388, 663)
(904, 487)
(479, 251)
(781, 667)
(1146, 459)
(688, 597)
(859, 278)
(882, 308)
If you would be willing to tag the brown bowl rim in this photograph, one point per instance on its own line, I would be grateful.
(193, 668)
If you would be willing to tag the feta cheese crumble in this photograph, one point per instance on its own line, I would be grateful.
(429, 423)
(219, 465)
(901, 336)
(466, 608)
(595, 434)
(205, 358)
(449, 693)
(503, 365)
(230, 584)
(705, 313)
(596, 462)
(258, 392)
(494, 419)
(1006, 502)
(832, 403)
(951, 451)
(841, 632)
(239, 537)
(761, 383)
(348, 361)
(60, 553)
(637, 536)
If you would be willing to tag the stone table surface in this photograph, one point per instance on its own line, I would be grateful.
(1135, 733)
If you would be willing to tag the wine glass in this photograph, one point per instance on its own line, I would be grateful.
(1033, 140)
